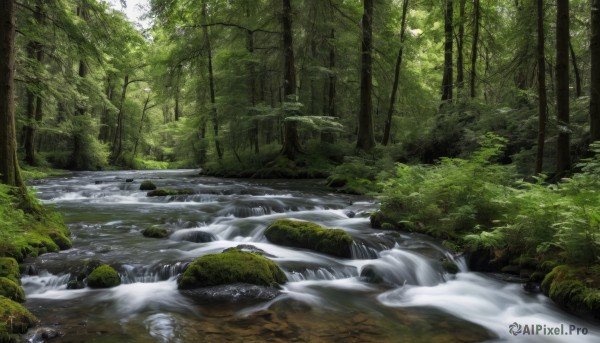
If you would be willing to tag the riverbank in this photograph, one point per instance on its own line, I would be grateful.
(23, 235)
(546, 234)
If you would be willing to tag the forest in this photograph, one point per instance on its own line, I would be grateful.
(472, 126)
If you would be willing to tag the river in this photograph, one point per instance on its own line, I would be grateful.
(325, 299)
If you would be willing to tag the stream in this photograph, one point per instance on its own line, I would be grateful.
(324, 300)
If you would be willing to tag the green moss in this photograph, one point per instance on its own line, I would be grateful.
(61, 241)
(147, 186)
(310, 236)
(11, 290)
(169, 192)
(14, 318)
(155, 232)
(450, 267)
(9, 268)
(232, 266)
(575, 288)
(103, 276)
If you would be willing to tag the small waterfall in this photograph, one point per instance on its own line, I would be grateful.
(361, 251)
(322, 274)
(148, 274)
(400, 267)
(43, 282)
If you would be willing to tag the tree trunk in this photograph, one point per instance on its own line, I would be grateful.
(388, 121)
(291, 143)
(177, 91)
(575, 71)
(542, 99)
(366, 137)
(460, 65)
(476, 10)
(139, 135)
(252, 81)
(77, 160)
(104, 135)
(447, 79)
(595, 72)
(118, 137)
(327, 136)
(563, 157)
(10, 173)
(211, 82)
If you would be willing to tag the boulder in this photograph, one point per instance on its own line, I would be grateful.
(147, 186)
(168, 192)
(14, 318)
(230, 267)
(155, 232)
(311, 236)
(103, 276)
(9, 268)
(232, 293)
(11, 290)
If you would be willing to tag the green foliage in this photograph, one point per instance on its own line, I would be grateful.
(103, 276)
(576, 288)
(231, 266)
(454, 197)
(310, 236)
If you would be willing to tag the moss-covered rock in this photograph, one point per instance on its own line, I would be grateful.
(310, 236)
(14, 319)
(169, 192)
(155, 232)
(61, 240)
(104, 276)
(229, 267)
(576, 288)
(11, 290)
(9, 268)
(450, 266)
(147, 186)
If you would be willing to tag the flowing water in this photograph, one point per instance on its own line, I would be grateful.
(325, 299)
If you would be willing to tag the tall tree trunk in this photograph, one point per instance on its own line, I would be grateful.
(252, 86)
(595, 72)
(460, 64)
(563, 156)
(177, 92)
(139, 135)
(10, 173)
(104, 135)
(447, 79)
(366, 136)
(388, 121)
(291, 143)
(575, 70)
(35, 50)
(542, 98)
(211, 82)
(327, 136)
(77, 160)
(474, 51)
(118, 137)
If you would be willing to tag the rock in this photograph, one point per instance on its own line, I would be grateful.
(233, 293)
(147, 186)
(98, 182)
(532, 287)
(511, 269)
(337, 181)
(104, 276)
(155, 232)
(168, 192)
(75, 284)
(351, 214)
(311, 236)
(11, 290)
(9, 268)
(44, 334)
(252, 249)
(230, 267)
(128, 180)
(19, 317)
(61, 240)
(195, 236)
(371, 274)
(450, 266)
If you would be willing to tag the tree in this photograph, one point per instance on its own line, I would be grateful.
(542, 98)
(476, 10)
(366, 137)
(9, 162)
(448, 31)
(291, 143)
(563, 155)
(388, 121)
(595, 72)
(460, 65)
